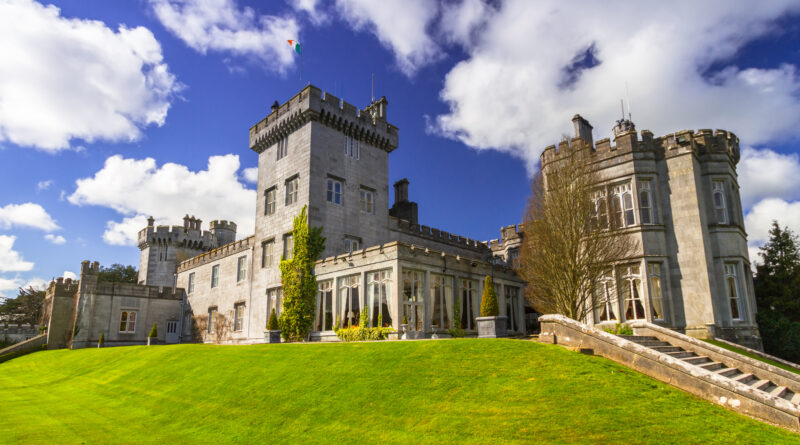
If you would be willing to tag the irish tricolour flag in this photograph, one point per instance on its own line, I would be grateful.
(295, 44)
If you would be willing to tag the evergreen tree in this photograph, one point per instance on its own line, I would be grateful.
(489, 306)
(777, 288)
(299, 282)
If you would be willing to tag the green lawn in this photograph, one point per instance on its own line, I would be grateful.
(753, 356)
(465, 391)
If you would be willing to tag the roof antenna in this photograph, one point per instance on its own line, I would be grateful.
(373, 89)
(622, 107)
(628, 96)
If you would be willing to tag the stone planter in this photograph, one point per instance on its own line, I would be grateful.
(404, 330)
(272, 336)
(492, 327)
(152, 341)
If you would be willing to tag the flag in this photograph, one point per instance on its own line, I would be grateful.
(295, 44)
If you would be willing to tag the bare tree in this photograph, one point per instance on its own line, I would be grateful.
(568, 245)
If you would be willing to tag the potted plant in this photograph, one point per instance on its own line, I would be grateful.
(435, 329)
(490, 324)
(404, 328)
(152, 337)
(102, 340)
(273, 332)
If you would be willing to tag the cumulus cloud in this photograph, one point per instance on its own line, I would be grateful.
(10, 259)
(400, 25)
(764, 173)
(316, 14)
(70, 275)
(223, 26)
(139, 188)
(44, 185)
(533, 68)
(36, 283)
(9, 284)
(26, 215)
(461, 20)
(63, 79)
(250, 174)
(55, 239)
(760, 217)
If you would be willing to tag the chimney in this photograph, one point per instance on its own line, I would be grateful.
(583, 129)
(401, 191)
(403, 208)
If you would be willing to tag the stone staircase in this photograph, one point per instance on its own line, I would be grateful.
(760, 381)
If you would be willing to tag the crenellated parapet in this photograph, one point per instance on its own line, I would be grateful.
(218, 253)
(61, 287)
(311, 104)
(433, 234)
(177, 236)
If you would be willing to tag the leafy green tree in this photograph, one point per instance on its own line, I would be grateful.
(777, 287)
(25, 309)
(118, 274)
(299, 282)
(489, 306)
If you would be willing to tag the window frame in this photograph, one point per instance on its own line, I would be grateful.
(270, 200)
(645, 186)
(124, 318)
(288, 246)
(352, 244)
(241, 268)
(732, 273)
(212, 311)
(655, 272)
(325, 300)
(283, 148)
(608, 302)
(267, 254)
(718, 187)
(629, 277)
(367, 200)
(292, 186)
(238, 316)
(331, 194)
(190, 284)
(623, 206)
(215, 276)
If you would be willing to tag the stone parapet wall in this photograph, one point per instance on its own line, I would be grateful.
(216, 254)
(424, 233)
(177, 236)
(24, 347)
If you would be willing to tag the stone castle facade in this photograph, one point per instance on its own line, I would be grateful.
(323, 153)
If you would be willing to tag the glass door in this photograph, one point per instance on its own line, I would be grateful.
(414, 299)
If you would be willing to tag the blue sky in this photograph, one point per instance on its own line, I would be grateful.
(112, 111)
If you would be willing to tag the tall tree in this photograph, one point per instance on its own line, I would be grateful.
(777, 287)
(25, 309)
(118, 274)
(568, 244)
(298, 280)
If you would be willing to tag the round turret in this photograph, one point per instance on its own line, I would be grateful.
(224, 231)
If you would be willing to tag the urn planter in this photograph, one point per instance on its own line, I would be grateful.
(404, 330)
(492, 327)
(152, 341)
(271, 336)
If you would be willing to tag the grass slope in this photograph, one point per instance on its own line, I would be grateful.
(753, 356)
(466, 391)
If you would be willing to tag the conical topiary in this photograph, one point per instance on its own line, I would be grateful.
(272, 324)
(489, 307)
(102, 340)
(154, 331)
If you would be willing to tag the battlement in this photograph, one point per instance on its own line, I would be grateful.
(312, 104)
(222, 225)
(218, 253)
(433, 234)
(701, 142)
(62, 287)
(176, 235)
(509, 235)
(138, 291)
(88, 268)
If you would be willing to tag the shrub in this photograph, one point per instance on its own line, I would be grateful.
(154, 331)
(620, 329)
(359, 333)
(272, 324)
(405, 321)
(102, 340)
(489, 306)
(456, 332)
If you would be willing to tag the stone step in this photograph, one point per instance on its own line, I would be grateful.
(698, 360)
(682, 354)
(729, 372)
(777, 391)
(791, 396)
(713, 366)
(745, 378)
(638, 337)
(764, 385)
(652, 343)
(667, 349)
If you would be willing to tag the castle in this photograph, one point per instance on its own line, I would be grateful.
(676, 193)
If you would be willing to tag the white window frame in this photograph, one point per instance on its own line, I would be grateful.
(215, 276)
(367, 200)
(630, 275)
(212, 312)
(600, 213)
(512, 308)
(721, 207)
(238, 316)
(352, 147)
(379, 291)
(351, 244)
(241, 268)
(125, 319)
(623, 207)
(647, 214)
(288, 246)
(283, 148)
(349, 296)
(291, 190)
(655, 275)
(441, 285)
(607, 299)
(190, 286)
(734, 298)
(269, 200)
(325, 300)
(331, 194)
(468, 300)
(274, 301)
(267, 252)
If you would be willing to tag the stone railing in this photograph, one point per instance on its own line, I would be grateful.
(23, 347)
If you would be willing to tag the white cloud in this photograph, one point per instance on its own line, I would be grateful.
(461, 20)
(312, 8)
(520, 86)
(765, 173)
(70, 275)
(400, 25)
(26, 215)
(44, 185)
(139, 188)
(250, 174)
(9, 284)
(220, 25)
(63, 79)
(759, 220)
(36, 283)
(10, 259)
(55, 239)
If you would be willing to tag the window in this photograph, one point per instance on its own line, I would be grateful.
(732, 285)
(351, 147)
(325, 306)
(622, 202)
(656, 298)
(267, 250)
(212, 319)
(349, 303)
(215, 276)
(334, 192)
(274, 301)
(127, 321)
(646, 210)
(442, 301)
(291, 190)
(469, 304)
(600, 215)
(241, 262)
(238, 316)
(269, 206)
(379, 298)
(288, 247)
(630, 288)
(720, 204)
(191, 283)
(606, 298)
(413, 298)
(283, 147)
(512, 308)
(367, 201)
(351, 244)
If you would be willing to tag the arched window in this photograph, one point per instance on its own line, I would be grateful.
(733, 291)
(631, 289)
(720, 204)
(606, 299)
(645, 203)
(627, 201)
(622, 205)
